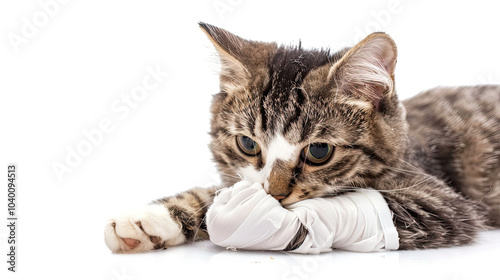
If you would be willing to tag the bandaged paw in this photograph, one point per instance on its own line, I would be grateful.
(246, 217)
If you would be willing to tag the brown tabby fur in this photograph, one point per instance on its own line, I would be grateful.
(435, 157)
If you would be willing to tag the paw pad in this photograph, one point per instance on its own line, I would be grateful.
(132, 243)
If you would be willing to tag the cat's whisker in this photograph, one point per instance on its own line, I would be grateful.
(411, 165)
(232, 176)
(220, 137)
(223, 137)
(406, 171)
(405, 189)
(235, 176)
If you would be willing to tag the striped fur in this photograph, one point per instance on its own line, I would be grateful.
(435, 157)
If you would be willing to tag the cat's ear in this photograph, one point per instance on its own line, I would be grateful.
(367, 69)
(240, 59)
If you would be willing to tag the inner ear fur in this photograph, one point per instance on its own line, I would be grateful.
(367, 70)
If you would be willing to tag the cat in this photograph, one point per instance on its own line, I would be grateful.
(311, 123)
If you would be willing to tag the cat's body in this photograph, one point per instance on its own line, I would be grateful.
(310, 124)
(454, 136)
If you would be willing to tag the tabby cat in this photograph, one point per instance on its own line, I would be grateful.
(311, 123)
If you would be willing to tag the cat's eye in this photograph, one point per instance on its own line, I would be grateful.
(247, 145)
(317, 153)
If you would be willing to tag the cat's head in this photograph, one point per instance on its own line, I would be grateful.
(305, 123)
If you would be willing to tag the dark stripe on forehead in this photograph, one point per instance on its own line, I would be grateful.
(283, 99)
(263, 112)
(297, 100)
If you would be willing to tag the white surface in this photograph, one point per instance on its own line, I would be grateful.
(91, 54)
(245, 217)
(201, 259)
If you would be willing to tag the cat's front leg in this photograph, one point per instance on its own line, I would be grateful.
(430, 214)
(164, 223)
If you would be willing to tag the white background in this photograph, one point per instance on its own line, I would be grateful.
(63, 75)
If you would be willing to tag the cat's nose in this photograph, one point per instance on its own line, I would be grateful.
(280, 197)
(278, 180)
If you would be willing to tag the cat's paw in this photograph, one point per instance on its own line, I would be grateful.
(148, 228)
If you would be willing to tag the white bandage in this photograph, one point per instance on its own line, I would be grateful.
(246, 217)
